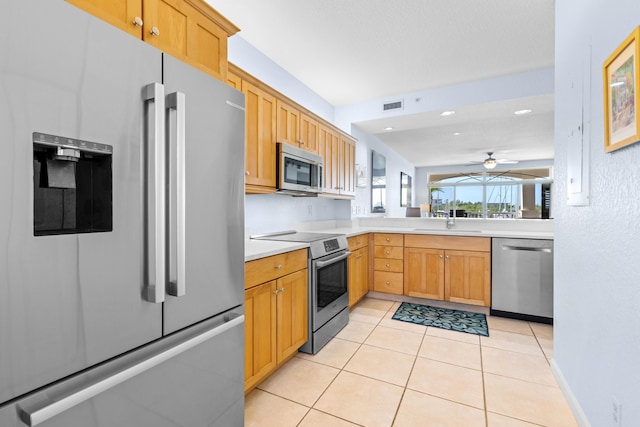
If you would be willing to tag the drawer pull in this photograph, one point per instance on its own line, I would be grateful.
(279, 267)
(387, 252)
(388, 265)
(388, 283)
(388, 239)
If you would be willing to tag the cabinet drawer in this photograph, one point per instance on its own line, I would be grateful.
(357, 242)
(462, 243)
(269, 268)
(392, 265)
(388, 239)
(391, 283)
(392, 252)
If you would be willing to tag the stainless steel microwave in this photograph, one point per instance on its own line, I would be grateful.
(299, 171)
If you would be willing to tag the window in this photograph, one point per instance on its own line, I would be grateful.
(524, 193)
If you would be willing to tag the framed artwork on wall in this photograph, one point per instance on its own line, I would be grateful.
(620, 78)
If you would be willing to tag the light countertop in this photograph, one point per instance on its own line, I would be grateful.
(255, 249)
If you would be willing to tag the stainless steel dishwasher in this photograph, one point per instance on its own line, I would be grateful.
(522, 279)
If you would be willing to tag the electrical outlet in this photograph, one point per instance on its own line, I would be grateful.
(309, 210)
(617, 412)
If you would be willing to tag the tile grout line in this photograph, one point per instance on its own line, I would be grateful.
(340, 370)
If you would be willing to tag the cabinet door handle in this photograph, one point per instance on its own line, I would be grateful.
(359, 256)
(276, 291)
(279, 267)
(137, 21)
(447, 257)
(441, 256)
(247, 173)
(154, 31)
(281, 289)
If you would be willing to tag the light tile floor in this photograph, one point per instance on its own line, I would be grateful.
(383, 372)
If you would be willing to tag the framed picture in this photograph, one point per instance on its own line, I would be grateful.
(405, 190)
(620, 72)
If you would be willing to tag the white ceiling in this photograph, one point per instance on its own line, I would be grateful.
(353, 51)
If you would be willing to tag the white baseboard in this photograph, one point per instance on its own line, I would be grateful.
(578, 413)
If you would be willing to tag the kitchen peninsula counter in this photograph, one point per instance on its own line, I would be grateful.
(523, 229)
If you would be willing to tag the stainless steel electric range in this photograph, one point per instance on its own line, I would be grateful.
(328, 295)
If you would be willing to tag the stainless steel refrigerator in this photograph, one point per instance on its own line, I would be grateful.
(121, 229)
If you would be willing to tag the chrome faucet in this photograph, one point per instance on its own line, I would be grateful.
(451, 220)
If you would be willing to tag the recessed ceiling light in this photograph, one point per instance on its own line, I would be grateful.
(447, 113)
(388, 128)
(456, 133)
(521, 112)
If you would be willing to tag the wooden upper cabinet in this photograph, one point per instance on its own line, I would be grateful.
(347, 168)
(329, 150)
(309, 133)
(288, 123)
(234, 80)
(189, 30)
(124, 14)
(260, 140)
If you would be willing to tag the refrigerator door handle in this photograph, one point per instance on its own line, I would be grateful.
(154, 289)
(176, 134)
(38, 414)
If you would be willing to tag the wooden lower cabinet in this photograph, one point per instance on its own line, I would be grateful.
(358, 266)
(446, 271)
(276, 316)
(388, 266)
(292, 315)
(467, 277)
(424, 273)
(260, 333)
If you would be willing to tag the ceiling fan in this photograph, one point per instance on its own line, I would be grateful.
(491, 162)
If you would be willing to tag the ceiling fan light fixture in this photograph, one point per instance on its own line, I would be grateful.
(490, 163)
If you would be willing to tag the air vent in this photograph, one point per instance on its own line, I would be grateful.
(395, 105)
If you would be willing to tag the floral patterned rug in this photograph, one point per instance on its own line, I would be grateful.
(455, 320)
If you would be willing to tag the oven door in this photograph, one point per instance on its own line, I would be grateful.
(328, 288)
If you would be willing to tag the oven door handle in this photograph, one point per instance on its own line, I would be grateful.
(321, 264)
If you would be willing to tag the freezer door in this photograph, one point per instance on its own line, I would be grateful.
(70, 301)
(191, 379)
(206, 196)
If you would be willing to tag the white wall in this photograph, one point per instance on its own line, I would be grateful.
(260, 66)
(395, 165)
(597, 260)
